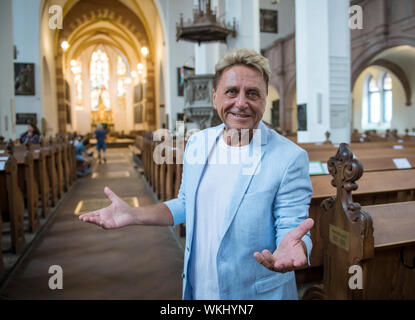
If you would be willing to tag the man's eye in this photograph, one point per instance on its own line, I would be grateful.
(253, 94)
(231, 91)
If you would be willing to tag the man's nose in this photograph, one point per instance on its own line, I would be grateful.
(241, 101)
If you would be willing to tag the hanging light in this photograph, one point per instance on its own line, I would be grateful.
(144, 51)
(73, 63)
(134, 74)
(65, 45)
(140, 66)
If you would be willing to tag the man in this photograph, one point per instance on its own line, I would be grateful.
(100, 135)
(245, 232)
(82, 157)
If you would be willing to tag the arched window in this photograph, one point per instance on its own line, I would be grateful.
(374, 103)
(121, 74)
(378, 114)
(387, 97)
(99, 73)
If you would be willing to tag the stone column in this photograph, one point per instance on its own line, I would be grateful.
(7, 112)
(246, 14)
(323, 69)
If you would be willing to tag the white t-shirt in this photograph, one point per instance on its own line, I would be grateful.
(212, 202)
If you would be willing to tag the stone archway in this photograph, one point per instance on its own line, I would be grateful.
(83, 14)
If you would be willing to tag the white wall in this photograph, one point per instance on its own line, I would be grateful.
(26, 21)
(178, 53)
(323, 68)
(48, 81)
(7, 116)
(286, 21)
(247, 23)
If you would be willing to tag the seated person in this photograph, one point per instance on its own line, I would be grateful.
(32, 134)
(82, 157)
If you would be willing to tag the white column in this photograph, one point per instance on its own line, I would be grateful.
(323, 68)
(7, 112)
(246, 14)
(207, 54)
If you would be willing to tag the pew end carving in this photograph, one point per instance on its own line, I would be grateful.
(368, 252)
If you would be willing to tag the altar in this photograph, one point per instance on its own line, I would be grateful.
(102, 113)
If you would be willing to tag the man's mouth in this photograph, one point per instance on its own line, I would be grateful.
(239, 115)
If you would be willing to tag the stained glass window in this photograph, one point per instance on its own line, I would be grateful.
(121, 73)
(99, 76)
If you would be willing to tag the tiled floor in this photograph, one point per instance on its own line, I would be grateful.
(128, 263)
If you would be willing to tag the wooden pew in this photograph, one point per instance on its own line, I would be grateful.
(65, 163)
(41, 175)
(27, 183)
(52, 171)
(11, 199)
(377, 159)
(72, 156)
(375, 188)
(57, 149)
(377, 242)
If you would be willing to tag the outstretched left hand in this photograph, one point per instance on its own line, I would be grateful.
(291, 254)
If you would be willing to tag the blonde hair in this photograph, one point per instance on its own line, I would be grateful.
(242, 56)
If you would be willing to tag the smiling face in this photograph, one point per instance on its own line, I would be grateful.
(240, 97)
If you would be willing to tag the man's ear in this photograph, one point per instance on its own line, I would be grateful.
(214, 98)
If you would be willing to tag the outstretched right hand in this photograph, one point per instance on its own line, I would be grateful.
(118, 214)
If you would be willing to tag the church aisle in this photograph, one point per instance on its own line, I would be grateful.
(128, 263)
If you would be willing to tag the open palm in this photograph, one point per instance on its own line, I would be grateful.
(291, 254)
(118, 214)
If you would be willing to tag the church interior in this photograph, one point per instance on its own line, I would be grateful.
(340, 88)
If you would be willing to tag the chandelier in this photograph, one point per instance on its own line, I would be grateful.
(205, 26)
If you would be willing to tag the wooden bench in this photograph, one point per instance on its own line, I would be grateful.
(51, 152)
(41, 175)
(67, 177)
(378, 159)
(11, 199)
(164, 178)
(72, 156)
(375, 187)
(27, 183)
(57, 149)
(368, 252)
(137, 147)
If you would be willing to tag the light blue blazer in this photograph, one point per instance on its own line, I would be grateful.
(264, 207)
